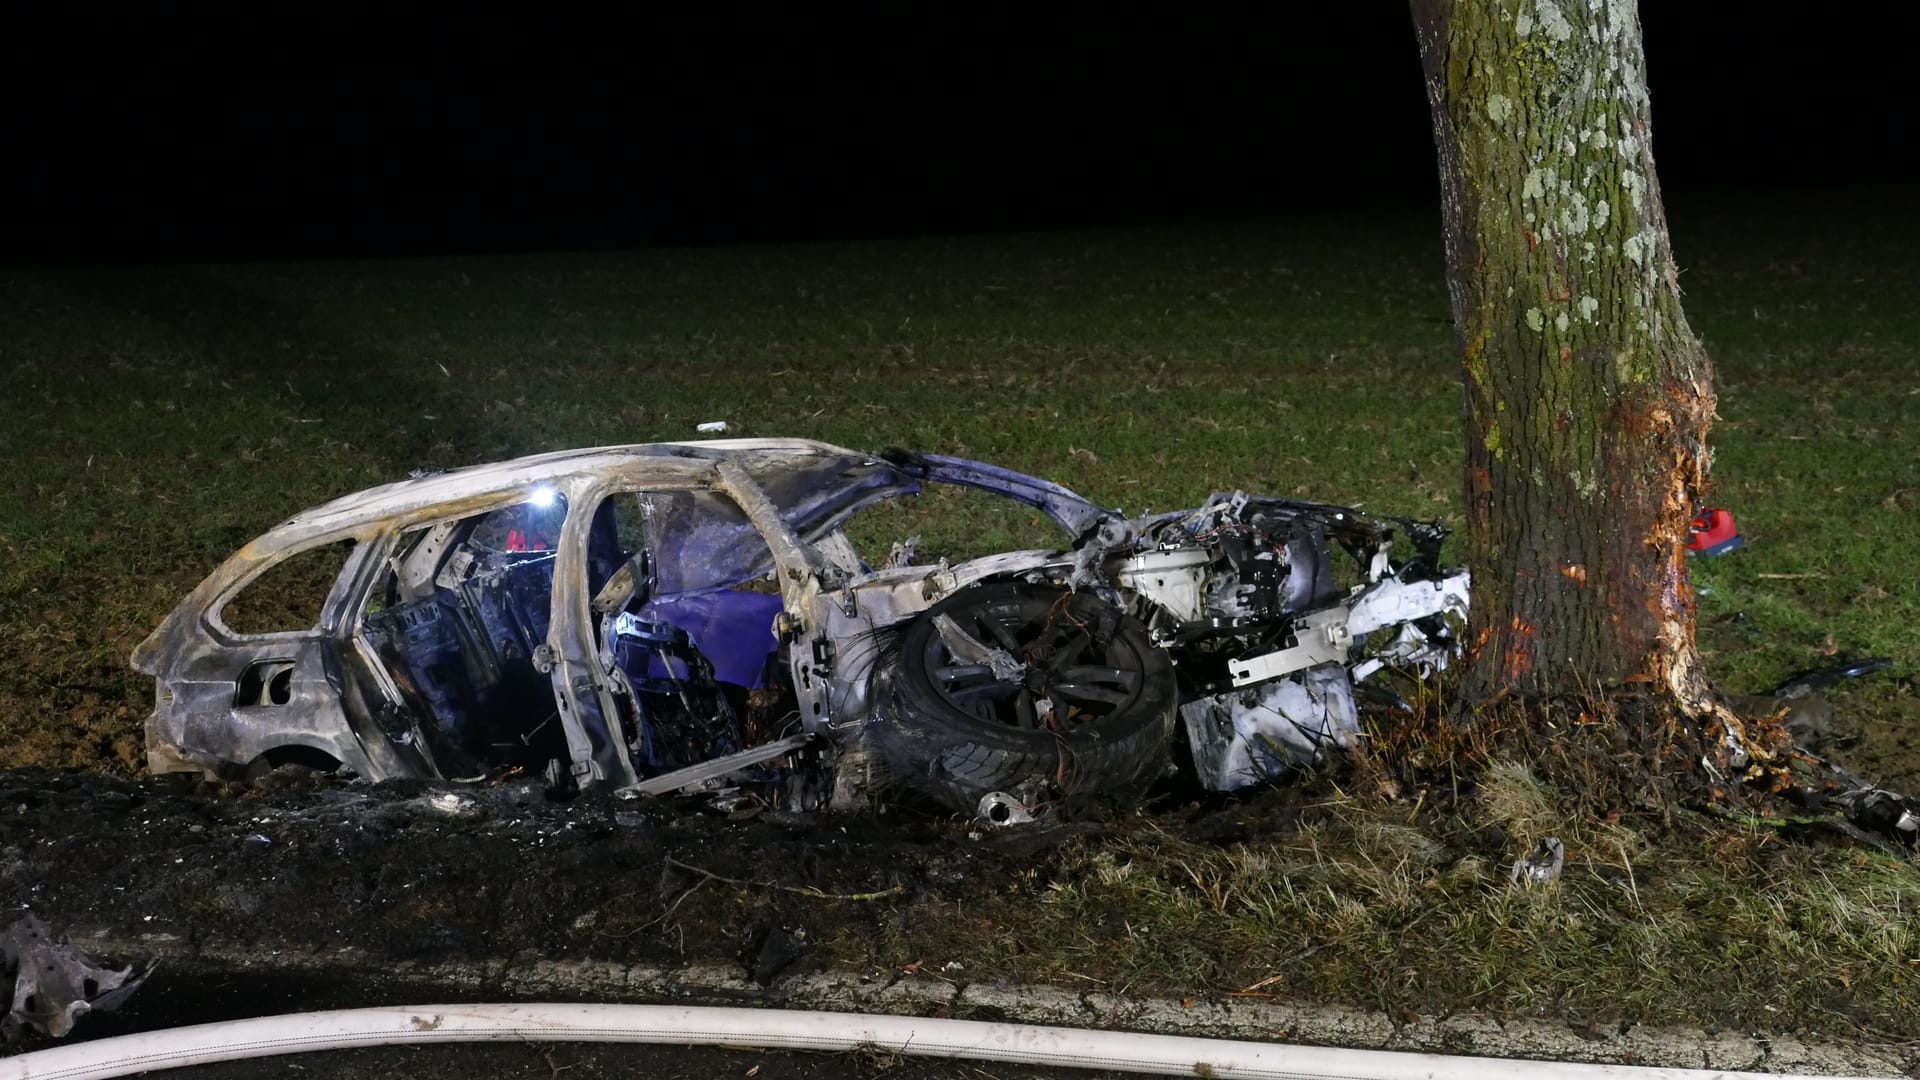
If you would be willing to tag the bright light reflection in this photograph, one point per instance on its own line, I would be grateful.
(542, 497)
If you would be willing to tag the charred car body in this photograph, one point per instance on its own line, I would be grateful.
(693, 617)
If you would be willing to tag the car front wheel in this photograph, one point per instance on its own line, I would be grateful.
(1028, 689)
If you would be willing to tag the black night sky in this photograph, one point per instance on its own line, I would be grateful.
(366, 138)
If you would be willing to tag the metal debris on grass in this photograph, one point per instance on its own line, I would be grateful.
(1543, 866)
(51, 983)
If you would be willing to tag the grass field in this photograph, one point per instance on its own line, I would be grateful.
(155, 418)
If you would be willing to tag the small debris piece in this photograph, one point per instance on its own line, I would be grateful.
(712, 427)
(52, 984)
(1888, 813)
(997, 808)
(774, 948)
(1543, 866)
(901, 554)
(1820, 678)
(451, 804)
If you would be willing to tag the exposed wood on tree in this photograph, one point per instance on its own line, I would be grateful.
(1587, 397)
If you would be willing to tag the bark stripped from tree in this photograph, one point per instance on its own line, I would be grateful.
(1587, 397)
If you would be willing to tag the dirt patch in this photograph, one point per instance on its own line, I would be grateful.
(408, 871)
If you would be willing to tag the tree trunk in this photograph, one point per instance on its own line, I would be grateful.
(1587, 397)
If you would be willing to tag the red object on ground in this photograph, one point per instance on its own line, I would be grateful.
(1712, 532)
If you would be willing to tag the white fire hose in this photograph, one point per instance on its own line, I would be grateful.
(779, 1029)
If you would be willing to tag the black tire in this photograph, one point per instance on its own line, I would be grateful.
(951, 730)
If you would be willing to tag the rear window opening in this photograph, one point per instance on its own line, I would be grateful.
(289, 596)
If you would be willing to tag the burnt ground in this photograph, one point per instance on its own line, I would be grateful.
(308, 892)
(413, 874)
(409, 872)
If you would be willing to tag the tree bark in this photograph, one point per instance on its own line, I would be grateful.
(1587, 398)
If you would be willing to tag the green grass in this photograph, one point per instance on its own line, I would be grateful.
(154, 419)
(1358, 904)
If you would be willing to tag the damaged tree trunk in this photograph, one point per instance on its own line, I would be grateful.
(1587, 397)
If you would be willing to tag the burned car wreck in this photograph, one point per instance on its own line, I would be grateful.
(692, 617)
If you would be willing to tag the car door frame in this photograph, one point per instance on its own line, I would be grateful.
(582, 686)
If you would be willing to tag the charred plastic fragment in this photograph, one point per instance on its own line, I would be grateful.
(693, 618)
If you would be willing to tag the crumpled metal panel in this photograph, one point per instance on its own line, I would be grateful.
(1249, 736)
(53, 984)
